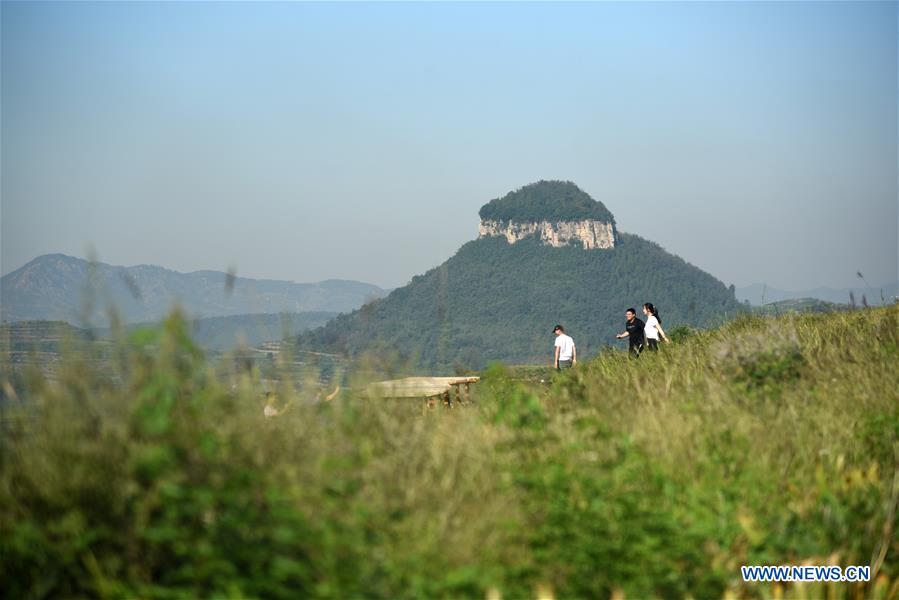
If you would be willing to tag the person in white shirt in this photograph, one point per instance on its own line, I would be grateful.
(653, 327)
(566, 353)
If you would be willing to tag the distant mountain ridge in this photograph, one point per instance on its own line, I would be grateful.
(759, 293)
(60, 287)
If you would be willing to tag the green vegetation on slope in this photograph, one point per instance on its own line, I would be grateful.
(767, 441)
(496, 301)
(546, 201)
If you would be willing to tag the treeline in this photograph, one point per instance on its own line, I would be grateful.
(546, 201)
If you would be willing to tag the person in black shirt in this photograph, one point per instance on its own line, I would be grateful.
(634, 332)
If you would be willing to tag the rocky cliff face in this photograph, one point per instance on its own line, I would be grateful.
(588, 233)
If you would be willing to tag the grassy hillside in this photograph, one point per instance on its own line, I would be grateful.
(766, 441)
(495, 301)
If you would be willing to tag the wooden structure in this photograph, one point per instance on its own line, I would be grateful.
(426, 388)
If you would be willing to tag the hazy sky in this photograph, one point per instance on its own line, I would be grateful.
(758, 141)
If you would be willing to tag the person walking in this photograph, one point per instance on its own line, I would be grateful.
(565, 355)
(653, 328)
(634, 332)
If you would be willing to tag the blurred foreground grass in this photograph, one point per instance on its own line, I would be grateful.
(767, 441)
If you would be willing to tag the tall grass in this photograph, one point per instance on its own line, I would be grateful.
(766, 441)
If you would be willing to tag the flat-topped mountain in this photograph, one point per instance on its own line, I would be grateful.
(546, 201)
(60, 287)
(498, 298)
(558, 212)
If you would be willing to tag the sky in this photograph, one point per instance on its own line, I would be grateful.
(305, 141)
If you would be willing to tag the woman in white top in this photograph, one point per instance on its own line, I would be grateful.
(653, 327)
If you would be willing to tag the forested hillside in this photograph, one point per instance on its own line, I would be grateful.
(496, 301)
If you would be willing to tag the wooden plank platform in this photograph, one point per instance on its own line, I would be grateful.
(421, 387)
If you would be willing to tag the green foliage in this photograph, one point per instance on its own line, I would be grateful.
(514, 404)
(495, 301)
(546, 201)
(656, 477)
(680, 333)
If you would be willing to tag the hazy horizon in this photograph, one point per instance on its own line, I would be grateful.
(304, 142)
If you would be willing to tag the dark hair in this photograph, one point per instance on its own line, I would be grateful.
(559, 328)
(652, 310)
(631, 310)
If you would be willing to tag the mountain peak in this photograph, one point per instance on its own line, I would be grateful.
(558, 212)
(550, 201)
(54, 258)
